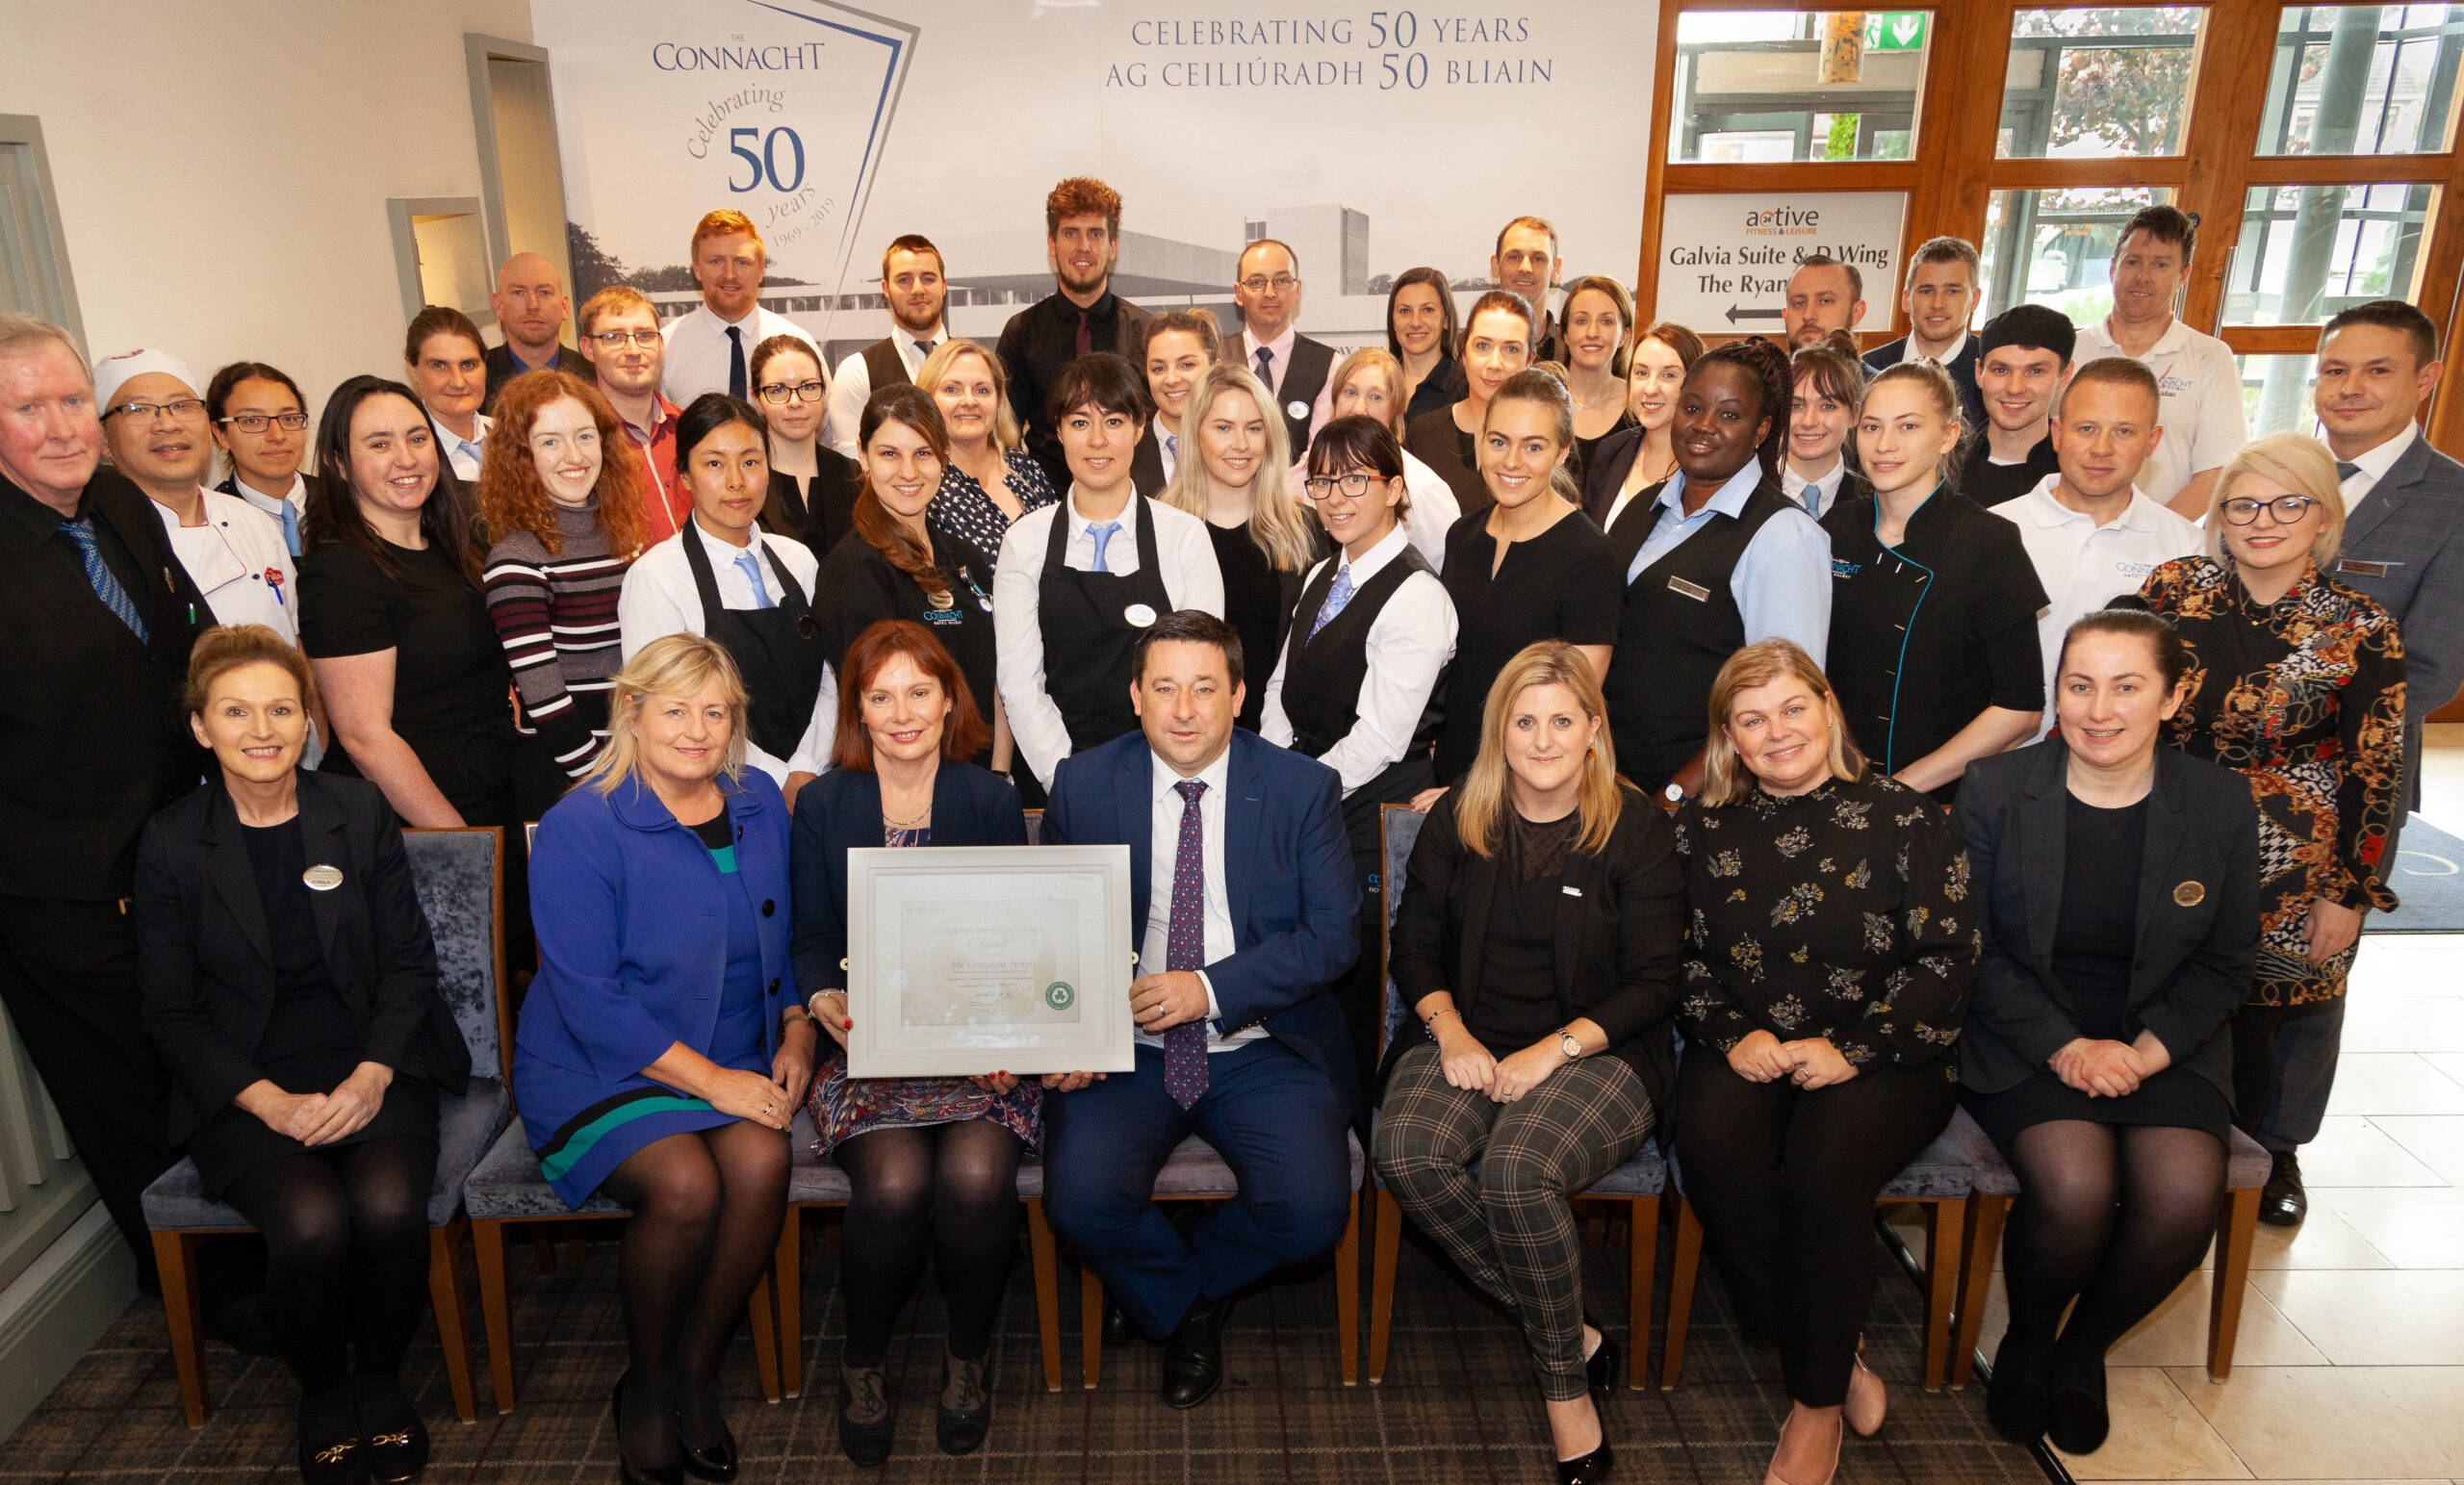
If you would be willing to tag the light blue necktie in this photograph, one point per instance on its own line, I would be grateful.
(291, 527)
(752, 566)
(1103, 535)
(106, 586)
(1173, 446)
(1812, 495)
(1336, 598)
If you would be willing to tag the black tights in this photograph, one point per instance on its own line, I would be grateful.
(962, 1179)
(2116, 1214)
(706, 1208)
(345, 1256)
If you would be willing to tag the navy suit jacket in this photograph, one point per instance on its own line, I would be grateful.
(1295, 894)
(2404, 547)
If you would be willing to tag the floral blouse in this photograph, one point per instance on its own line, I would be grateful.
(962, 508)
(1842, 913)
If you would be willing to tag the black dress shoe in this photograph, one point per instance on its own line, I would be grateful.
(2283, 1202)
(332, 1460)
(2016, 1398)
(961, 1430)
(2075, 1418)
(1117, 1325)
(1600, 1370)
(397, 1438)
(868, 1442)
(715, 1463)
(1588, 1469)
(629, 1472)
(1194, 1353)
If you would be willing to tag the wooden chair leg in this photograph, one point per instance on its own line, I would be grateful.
(578, 1251)
(487, 1246)
(1595, 1224)
(2233, 1238)
(1683, 1261)
(1044, 1262)
(1980, 1242)
(452, 1318)
(1642, 1259)
(787, 1273)
(543, 1250)
(183, 1315)
(1348, 1294)
(1091, 1328)
(1386, 1245)
(765, 1338)
(1943, 1222)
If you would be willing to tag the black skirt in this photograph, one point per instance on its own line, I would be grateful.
(2176, 1098)
(235, 1142)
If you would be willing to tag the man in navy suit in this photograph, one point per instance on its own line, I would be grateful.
(1241, 883)
(1941, 295)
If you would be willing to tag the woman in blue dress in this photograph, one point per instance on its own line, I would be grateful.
(918, 1152)
(653, 1061)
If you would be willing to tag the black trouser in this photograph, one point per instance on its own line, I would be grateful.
(2254, 1057)
(1785, 1181)
(68, 975)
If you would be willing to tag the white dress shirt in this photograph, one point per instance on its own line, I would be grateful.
(1165, 850)
(2375, 463)
(2200, 409)
(1948, 358)
(1192, 579)
(2084, 566)
(237, 559)
(698, 350)
(659, 599)
(464, 454)
(1167, 449)
(1826, 488)
(851, 386)
(295, 501)
(1409, 644)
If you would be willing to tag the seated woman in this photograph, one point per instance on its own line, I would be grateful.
(659, 1056)
(987, 480)
(813, 486)
(940, 1153)
(1828, 971)
(306, 1041)
(2118, 885)
(1542, 927)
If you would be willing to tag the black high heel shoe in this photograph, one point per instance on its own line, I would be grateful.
(1599, 1369)
(865, 1444)
(961, 1430)
(1589, 1468)
(716, 1463)
(629, 1472)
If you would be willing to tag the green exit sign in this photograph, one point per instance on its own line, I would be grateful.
(1894, 31)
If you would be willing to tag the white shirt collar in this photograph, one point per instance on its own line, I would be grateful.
(1959, 348)
(1794, 483)
(2376, 462)
(2139, 514)
(1084, 522)
(751, 319)
(1374, 561)
(914, 342)
(1216, 776)
(2176, 335)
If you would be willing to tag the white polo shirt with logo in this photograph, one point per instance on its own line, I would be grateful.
(2201, 412)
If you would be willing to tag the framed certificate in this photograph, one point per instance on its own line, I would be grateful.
(972, 960)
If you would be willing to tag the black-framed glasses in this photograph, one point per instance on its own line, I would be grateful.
(1259, 283)
(258, 423)
(2286, 508)
(1355, 485)
(177, 407)
(614, 339)
(777, 392)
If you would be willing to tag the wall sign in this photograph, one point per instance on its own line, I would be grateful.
(1725, 260)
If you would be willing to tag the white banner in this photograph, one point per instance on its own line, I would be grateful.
(1372, 139)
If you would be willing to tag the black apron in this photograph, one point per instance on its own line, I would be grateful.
(779, 652)
(1088, 634)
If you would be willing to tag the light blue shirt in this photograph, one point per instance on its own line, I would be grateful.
(1781, 584)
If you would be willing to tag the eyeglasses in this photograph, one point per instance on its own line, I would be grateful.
(778, 392)
(257, 422)
(1259, 283)
(2286, 508)
(614, 339)
(1355, 485)
(181, 407)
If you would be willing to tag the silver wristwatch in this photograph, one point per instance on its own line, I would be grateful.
(1570, 1044)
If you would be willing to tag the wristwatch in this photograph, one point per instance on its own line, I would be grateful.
(1569, 1044)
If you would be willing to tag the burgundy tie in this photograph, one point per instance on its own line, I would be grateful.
(1085, 333)
(1185, 948)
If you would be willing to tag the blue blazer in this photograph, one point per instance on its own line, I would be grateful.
(1293, 891)
(633, 929)
(842, 810)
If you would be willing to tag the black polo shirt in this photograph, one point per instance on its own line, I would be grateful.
(1927, 635)
(1987, 484)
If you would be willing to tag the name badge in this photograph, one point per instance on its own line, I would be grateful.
(1570, 892)
(942, 615)
(2357, 568)
(1693, 590)
(2190, 894)
(1296, 408)
(323, 878)
(1139, 614)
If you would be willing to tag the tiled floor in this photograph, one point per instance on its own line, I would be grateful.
(2350, 1362)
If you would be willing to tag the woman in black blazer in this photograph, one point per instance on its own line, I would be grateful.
(1539, 946)
(289, 984)
(2120, 885)
(940, 1153)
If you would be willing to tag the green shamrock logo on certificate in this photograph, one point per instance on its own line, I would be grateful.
(1058, 995)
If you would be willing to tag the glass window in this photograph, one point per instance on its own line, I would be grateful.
(2362, 80)
(2056, 247)
(2098, 82)
(1797, 85)
(2276, 392)
(2308, 251)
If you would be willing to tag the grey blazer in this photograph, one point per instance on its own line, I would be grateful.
(2198, 913)
(2404, 547)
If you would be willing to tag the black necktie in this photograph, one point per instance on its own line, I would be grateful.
(735, 362)
(2345, 468)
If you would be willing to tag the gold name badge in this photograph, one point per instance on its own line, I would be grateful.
(323, 878)
(2190, 894)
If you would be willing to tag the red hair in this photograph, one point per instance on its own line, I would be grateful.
(964, 733)
(513, 498)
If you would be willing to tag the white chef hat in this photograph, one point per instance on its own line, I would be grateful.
(113, 372)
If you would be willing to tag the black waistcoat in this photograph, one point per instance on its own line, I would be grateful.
(1323, 676)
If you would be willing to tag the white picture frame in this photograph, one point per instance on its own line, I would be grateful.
(964, 960)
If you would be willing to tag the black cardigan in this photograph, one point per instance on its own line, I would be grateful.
(1621, 935)
(2198, 913)
(206, 963)
(842, 810)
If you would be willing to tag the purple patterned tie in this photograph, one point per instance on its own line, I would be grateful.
(1185, 948)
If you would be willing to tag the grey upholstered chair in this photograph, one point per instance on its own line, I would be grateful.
(460, 875)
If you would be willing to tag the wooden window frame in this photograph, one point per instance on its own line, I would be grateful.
(1953, 172)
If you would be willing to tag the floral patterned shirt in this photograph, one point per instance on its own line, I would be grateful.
(1842, 913)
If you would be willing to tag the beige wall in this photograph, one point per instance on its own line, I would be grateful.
(222, 167)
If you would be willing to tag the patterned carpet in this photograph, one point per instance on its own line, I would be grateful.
(1457, 1405)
